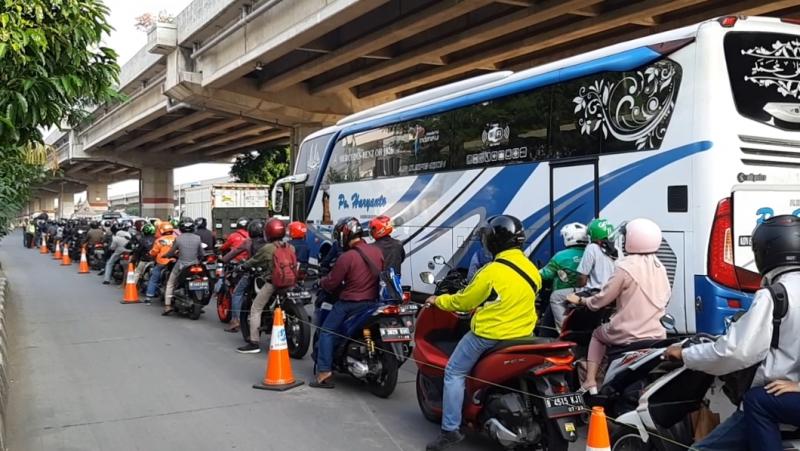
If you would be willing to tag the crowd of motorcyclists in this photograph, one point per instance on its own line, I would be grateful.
(600, 267)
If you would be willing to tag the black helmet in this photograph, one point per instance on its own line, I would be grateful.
(501, 233)
(346, 230)
(186, 225)
(200, 223)
(255, 228)
(94, 225)
(242, 222)
(776, 242)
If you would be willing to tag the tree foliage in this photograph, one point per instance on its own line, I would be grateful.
(52, 71)
(265, 166)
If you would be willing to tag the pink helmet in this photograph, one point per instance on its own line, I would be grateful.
(642, 236)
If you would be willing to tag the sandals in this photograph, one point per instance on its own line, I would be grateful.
(592, 390)
(327, 383)
(167, 311)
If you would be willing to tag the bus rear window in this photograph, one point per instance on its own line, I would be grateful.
(764, 70)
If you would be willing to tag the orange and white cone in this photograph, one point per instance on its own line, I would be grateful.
(278, 374)
(598, 431)
(65, 260)
(130, 294)
(57, 255)
(83, 268)
(43, 247)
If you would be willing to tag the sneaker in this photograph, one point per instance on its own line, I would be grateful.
(445, 440)
(249, 348)
(148, 301)
(105, 282)
(102, 272)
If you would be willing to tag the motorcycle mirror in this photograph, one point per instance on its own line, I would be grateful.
(668, 321)
(439, 260)
(427, 277)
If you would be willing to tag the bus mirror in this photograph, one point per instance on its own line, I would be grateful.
(277, 198)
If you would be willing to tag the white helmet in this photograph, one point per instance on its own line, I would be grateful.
(575, 234)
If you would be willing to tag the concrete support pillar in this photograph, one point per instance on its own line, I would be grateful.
(97, 195)
(66, 204)
(48, 205)
(299, 133)
(156, 193)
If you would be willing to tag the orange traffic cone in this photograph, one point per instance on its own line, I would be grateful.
(57, 254)
(278, 374)
(84, 266)
(130, 294)
(43, 247)
(65, 260)
(598, 431)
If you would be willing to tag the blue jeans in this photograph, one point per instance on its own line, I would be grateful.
(339, 313)
(238, 296)
(465, 356)
(155, 278)
(110, 266)
(764, 413)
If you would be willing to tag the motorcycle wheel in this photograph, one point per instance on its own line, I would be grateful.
(224, 306)
(298, 329)
(385, 384)
(197, 310)
(626, 440)
(428, 413)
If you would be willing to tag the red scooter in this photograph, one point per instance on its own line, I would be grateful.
(517, 393)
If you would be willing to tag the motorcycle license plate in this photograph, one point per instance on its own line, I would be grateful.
(390, 334)
(564, 405)
(198, 286)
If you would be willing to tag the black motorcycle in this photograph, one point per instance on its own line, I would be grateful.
(291, 301)
(192, 291)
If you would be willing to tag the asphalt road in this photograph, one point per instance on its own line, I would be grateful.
(91, 374)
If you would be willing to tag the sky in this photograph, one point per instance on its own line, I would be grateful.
(127, 40)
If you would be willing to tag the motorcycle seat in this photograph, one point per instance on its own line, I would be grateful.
(539, 342)
(614, 352)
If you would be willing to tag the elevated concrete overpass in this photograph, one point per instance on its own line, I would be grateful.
(230, 76)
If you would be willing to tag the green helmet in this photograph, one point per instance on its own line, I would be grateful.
(149, 229)
(174, 222)
(600, 229)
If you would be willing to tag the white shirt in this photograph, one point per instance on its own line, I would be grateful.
(596, 265)
(748, 341)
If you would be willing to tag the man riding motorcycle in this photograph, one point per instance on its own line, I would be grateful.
(118, 243)
(94, 235)
(274, 231)
(597, 262)
(353, 280)
(393, 253)
(255, 230)
(159, 251)
(141, 254)
(763, 341)
(201, 229)
(562, 269)
(189, 249)
(297, 233)
(503, 294)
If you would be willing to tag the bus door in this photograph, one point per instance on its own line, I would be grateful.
(574, 196)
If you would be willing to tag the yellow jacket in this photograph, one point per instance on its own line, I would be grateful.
(505, 302)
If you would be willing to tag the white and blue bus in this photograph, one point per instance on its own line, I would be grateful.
(696, 128)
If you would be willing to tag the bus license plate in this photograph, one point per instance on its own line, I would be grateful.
(198, 286)
(390, 334)
(564, 405)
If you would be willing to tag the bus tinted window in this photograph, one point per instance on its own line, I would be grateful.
(571, 137)
(764, 70)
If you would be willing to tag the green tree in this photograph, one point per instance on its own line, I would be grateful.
(265, 166)
(52, 71)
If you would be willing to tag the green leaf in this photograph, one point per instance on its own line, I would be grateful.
(3, 48)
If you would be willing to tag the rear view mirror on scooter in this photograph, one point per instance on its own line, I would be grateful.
(668, 321)
(439, 260)
(427, 277)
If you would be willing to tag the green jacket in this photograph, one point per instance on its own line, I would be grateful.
(502, 299)
(562, 268)
(263, 259)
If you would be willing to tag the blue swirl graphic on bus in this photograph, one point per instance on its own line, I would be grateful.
(764, 213)
(356, 201)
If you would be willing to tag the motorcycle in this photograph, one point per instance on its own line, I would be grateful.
(378, 342)
(291, 301)
(120, 268)
(517, 393)
(96, 256)
(230, 275)
(192, 291)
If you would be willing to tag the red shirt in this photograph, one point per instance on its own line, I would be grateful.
(235, 240)
(352, 278)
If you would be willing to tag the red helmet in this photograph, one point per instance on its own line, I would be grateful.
(274, 230)
(381, 226)
(297, 230)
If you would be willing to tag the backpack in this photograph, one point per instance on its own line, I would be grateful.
(284, 266)
(389, 288)
(736, 384)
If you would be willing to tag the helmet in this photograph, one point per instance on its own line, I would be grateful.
(501, 233)
(776, 242)
(138, 224)
(255, 228)
(107, 223)
(574, 234)
(187, 225)
(274, 230)
(297, 230)
(200, 223)
(154, 221)
(166, 228)
(381, 226)
(600, 229)
(347, 230)
(148, 229)
(241, 223)
(642, 236)
(94, 225)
